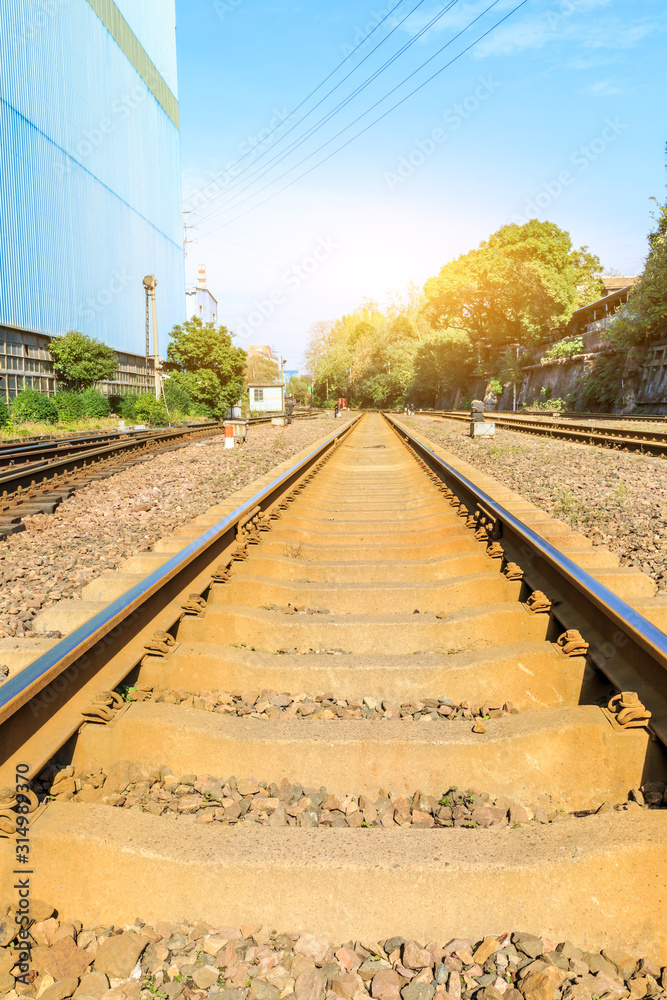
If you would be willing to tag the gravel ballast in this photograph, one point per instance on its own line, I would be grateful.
(195, 960)
(616, 499)
(212, 799)
(108, 521)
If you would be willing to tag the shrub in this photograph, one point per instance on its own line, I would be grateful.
(202, 410)
(4, 413)
(70, 405)
(95, 404)
(149, 410)
(563, 349)
(127, 408)
(496, 387)
(602, 388)
(33, 405)
(177, 398)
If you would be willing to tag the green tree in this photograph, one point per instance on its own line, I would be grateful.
(645, 317)
(299, 387)
(204, 361)
(367, 355)
(80, 361)
(516, 287)
(443, 363)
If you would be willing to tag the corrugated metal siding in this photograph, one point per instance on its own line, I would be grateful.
(154, 23)
(89, 181)
(111, 17)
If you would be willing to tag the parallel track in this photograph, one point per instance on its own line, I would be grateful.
(647, 442)
(410, 574)
(39, 475)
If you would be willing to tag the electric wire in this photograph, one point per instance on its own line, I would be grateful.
(380, 117)
(265, 168)
(364, 113)
(311, 94)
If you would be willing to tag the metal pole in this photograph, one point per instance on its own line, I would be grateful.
(148, 334)
(156, 353)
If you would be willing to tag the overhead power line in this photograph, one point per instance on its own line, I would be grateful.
(264, 169)
(308, 97)
(382, 116)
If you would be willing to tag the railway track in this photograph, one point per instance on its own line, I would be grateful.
(647, 442)
(366, 696)
(38, 476)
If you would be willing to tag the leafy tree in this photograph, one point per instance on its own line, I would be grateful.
(32, 405)
(4, 413)
(516, 287)
(299, 387)
(442, 363)
(260, 369)
(80, 361)
(645, 317)
(206, 364)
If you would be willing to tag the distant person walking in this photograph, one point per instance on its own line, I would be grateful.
(335, 410)
(289, 409)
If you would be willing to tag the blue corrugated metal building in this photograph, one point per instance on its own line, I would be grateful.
(90, 197)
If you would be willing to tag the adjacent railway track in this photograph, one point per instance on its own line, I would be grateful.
(424, 721)
(649, 442)
(36, 477)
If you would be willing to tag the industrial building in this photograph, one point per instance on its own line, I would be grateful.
(90, 187)
(200, 302)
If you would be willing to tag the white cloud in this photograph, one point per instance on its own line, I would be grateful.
(603, 88)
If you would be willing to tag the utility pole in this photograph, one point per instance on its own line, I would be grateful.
(150, 284)
(148, 333)
(185, 234)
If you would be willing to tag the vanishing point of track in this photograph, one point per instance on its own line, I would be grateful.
(367, 569)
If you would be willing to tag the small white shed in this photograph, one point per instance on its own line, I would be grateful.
(266, 398)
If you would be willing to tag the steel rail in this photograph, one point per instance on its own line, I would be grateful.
(17, 691)
(646, 442)
(533, 420)
(62, 447)
(640, 650)
(574, 415)
(37, 473)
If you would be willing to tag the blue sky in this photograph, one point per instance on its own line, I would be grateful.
(560, 112)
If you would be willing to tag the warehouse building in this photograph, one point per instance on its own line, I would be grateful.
(90, 197)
